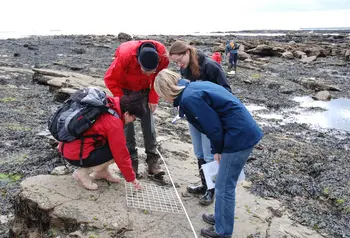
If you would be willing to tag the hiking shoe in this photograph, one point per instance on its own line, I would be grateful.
(154, 167)
(210, 233)
(208, 197)
(209, 218)
(197, 189)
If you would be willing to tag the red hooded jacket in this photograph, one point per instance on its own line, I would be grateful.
(216, 57)
(125, 71)
(112, 130)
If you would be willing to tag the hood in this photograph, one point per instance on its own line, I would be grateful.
(201, 57)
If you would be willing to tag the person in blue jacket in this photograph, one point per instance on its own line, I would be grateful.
(231, 51)
(232, 132)
(196, 66)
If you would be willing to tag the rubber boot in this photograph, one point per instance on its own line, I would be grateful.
(202, 188)
(82, 175)
(208, 197)
(154, 167)
(102, 172)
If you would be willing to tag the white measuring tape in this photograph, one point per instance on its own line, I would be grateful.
(177, 194)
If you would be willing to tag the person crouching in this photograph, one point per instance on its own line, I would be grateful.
(108, 144)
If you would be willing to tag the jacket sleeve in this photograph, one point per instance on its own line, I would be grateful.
(227, 49)
(117, 144)
(209, 121)
(115, 74)
(217, 74)
(164, 62)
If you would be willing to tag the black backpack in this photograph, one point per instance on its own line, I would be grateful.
(77, 114)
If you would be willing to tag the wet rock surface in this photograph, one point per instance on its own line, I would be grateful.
(306, 169)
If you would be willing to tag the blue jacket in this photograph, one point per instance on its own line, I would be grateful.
(229, 49)
(219, 115)
(209, 71)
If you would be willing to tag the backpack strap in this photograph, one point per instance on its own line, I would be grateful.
(81, 150)
(82, 138)
(113, 113)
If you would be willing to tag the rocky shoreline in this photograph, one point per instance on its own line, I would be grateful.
(304, 167)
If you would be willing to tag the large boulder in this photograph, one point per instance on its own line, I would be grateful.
(243, 56)
(322, 96)
(307, 60)
(241, 48)
(219, 48)
(278, 51)
(262, 50)
(317, 85)
(123, 37)
(318, 51)
(288, 55)
(266, 50)
(299, 54)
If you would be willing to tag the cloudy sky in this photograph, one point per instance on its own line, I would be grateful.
(163, 16)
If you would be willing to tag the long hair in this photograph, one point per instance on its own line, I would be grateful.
(166, 84)
(180, 48)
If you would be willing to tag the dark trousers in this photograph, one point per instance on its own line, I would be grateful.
(148, 131)
(98, 156)
(233, 60)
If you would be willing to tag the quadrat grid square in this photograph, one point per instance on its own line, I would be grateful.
(153, 197)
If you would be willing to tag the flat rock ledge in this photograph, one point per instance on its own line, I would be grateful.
(56, 206)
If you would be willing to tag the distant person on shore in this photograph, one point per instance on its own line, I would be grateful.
(231, 51)
(216, 57)
(195, 66)
(231, 130)
(104, 143)
(134, 68)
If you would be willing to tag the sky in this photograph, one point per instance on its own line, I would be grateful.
(169, 17)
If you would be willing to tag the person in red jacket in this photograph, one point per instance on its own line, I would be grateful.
(216, 57)
(134, 68)
(108, 144)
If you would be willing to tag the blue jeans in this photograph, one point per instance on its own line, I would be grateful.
(230, 167)
(201, 145)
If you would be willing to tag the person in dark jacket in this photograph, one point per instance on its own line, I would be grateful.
(108, 146)
(196, 66)
(134, 68)
(232, 132)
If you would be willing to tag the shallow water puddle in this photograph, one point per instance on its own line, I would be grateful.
(334, 114)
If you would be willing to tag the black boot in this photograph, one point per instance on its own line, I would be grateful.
(209, 218)
(210, 233)
(199, 189)
(208, 197)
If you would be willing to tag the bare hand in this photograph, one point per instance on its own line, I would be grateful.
(217, 157)
(152, 106)
(137, 184)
